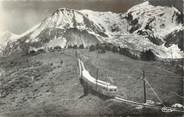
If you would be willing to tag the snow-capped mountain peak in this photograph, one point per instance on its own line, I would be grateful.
(158, 20)
(143, 27)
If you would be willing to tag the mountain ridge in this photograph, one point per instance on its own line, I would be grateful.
(69, 27)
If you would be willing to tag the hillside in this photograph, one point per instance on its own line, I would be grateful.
(47, 84)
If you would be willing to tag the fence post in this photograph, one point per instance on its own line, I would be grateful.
(144, 85)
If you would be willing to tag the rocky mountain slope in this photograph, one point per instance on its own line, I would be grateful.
(68, 27)
(161, 25)
(144, 27)
(5, 38)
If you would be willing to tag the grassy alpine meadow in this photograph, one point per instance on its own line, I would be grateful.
(47, 84)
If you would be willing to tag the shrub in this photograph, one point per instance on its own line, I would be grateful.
(126, 52)
(41, 51)
(92, 48)
(81, 46)
(32, 52)
(101, 51)
(57, 48)
(148, 55)
(69, 46)
(109, 46)
(102, 46)
(97, 46)
(51, 64)
(51, 49)
(61, 62)
(115, 49)
(75, 47)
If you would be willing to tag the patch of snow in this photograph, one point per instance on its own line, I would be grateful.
(177, 105)
(57, 42)
(159, 15)
(79, 18)
(171, 52)
(105, 20)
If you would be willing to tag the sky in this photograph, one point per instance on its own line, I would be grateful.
(1, 18)
(17, 16)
